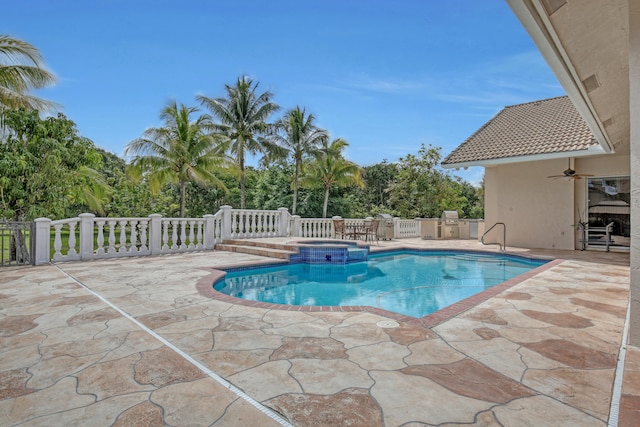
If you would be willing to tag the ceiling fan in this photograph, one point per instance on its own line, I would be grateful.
(569, 173)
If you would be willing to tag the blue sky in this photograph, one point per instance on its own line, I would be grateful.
(387, 76)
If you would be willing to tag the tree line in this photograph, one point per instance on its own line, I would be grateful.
(196, 161)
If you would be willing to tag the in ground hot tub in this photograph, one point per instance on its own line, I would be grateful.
(329, 252)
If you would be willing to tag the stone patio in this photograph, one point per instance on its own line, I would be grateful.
(136, 342)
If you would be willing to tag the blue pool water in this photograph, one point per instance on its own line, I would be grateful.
(408, 282)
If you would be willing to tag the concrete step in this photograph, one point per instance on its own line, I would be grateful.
(257, 243)
(257, 250)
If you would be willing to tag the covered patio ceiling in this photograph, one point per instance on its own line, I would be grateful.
(586, 45)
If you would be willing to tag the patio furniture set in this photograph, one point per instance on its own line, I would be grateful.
(367, 231)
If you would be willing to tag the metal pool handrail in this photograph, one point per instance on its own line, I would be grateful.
(503, 245)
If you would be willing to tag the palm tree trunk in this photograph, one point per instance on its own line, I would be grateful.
(326, 202)
(242, 181)
(183, 194)
(242, 189)
(295, 192)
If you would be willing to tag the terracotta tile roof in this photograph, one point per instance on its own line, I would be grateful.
(540, 127)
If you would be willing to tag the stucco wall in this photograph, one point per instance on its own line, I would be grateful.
(538, 211)
(634, 113)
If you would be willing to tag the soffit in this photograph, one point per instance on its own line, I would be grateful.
(591, 39)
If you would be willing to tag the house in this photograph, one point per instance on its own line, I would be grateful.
(593, 48)
(530, 153)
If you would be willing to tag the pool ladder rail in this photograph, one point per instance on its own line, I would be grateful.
(503, 245)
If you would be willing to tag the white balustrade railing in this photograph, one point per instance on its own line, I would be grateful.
(253, 223)
(69, 251)
(405, 228)
(91, 237)
(317, 228)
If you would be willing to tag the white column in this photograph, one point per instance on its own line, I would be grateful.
(155, 234)
(284, 222)
(86, 235)
(209, 232)
(226, 222)
(634, 124)
(295, 225)
(43, 241)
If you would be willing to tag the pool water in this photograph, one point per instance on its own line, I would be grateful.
(407, 282)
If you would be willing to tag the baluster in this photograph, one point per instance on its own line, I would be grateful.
(72, 239)
(268, 221)
(200, 244)
(235, 224)
(266, 224)
(112, 237)
(57, 242)
(246, 225)
(143, 235)
(191, 235)
(165, 235)
(255, 224)
(123, 236)
(183, 234)
(134, 237)
(100, 250)
(174, 234)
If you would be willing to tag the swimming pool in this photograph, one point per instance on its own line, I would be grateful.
(413, 283)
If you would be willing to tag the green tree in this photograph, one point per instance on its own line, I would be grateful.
(179, 152)
(46, 167)
(300, 136)
(129, 198)
(243, 116)
(22, 70)
(330, 169)
(272, 189)
(374, 197)
(422, 189)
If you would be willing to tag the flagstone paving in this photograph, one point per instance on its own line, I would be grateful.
(151, 348)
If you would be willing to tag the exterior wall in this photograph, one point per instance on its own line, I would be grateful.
(538, 212)
(634, 114)
(521, 193)
(608, 165)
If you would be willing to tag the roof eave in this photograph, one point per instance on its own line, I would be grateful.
(591, 151)
(532, 16)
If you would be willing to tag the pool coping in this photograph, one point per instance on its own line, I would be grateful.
(205, 287)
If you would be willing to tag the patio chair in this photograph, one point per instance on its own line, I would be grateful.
(371, 231)
(338, 228)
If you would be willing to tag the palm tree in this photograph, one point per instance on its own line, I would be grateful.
(179, 152)
(243, 118)
(330, 169)
(21, 70)
(302, 139)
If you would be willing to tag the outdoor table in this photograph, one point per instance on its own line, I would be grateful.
(354, 231)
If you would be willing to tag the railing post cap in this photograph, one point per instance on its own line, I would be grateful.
(155, 216)
(283, 209)
(208, 216)
(336, 217)
(42, 220)
(226, 207)
(86, 215)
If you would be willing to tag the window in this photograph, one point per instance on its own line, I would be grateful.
(609, 212)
